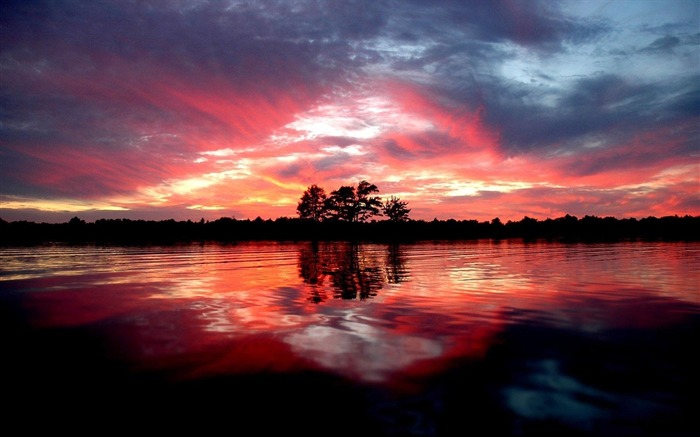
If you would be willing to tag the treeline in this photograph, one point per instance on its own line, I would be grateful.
(568, 228)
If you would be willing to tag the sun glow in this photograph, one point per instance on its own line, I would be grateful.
(60, 205)
(206, 207)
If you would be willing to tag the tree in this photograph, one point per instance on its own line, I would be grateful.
(367, 205)
(76, 221)
(341, 204)
(354, 205)
(312, 204)
(396, 210)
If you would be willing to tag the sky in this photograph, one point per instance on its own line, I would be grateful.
(465, 109)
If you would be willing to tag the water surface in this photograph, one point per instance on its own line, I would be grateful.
(458, 338)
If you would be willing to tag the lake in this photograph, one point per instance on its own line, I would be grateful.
(427, 339)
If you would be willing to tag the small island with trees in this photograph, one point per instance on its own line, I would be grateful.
(350, 204)
(350, 213)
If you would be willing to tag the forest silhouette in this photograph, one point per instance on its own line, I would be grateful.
(349, 213)
(227, 229)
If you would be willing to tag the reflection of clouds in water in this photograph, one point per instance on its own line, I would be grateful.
(484, 277)
(549, 394)
(341, 340)
(185, 288)
(362, 350)
(311, 295)
(216, 314)
(544, 391)
(238, 317)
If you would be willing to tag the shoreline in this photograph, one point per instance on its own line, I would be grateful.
(564, 229)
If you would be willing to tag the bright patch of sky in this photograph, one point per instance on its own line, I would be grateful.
(60, 205)
(329, 124)
(361, 118)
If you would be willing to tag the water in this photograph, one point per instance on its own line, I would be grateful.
(430, 339)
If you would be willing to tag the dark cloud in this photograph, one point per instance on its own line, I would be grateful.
(608, 106)
(290, 171)
(486, 194)
(396, 151)
(339, 141)
(425, 145)
(663, 44)
(534, 24)
(687, 202)
(246, 46)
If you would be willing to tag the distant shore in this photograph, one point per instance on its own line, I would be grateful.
(567, 228)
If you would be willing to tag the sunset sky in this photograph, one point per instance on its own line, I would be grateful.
(466, 109)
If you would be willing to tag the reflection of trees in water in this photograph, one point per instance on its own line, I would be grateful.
(355, 273)
(352, 271)
(311, 270)
(396, 270)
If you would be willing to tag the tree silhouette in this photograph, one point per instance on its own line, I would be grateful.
(354, 205)
(312, 204)
(367, 205)
(341, 204)
(396, 210)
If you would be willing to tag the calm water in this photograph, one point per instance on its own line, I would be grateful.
(474, 338)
